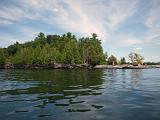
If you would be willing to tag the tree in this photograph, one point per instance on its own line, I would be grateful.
(106, 55)
(91, 50)
(123, 60)
(135, 58)
(54, 40)
(41, 39)
(54, 56)
(12, 49)
(2, 57)
(112, 60)
(71, 54)
(56, 48)
(94, 36)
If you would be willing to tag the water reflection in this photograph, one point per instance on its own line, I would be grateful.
(123, 79)
(62, 88)
(68, 94)
(136, 73)
(136, 77)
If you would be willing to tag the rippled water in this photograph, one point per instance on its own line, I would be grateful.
(80, 94)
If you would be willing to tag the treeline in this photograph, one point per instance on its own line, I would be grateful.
(65, 49)
(152, 63)
(55, 49)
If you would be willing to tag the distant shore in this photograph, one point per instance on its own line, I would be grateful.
(126, 66)
(74, 66)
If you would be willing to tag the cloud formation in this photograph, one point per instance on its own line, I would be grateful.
(84, 17)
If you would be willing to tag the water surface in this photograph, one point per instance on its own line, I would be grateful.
(80, 94)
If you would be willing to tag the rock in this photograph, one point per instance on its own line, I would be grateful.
(2, 67)
(103, 66)
(72, 66)
(8, 65)
(126, 66)
(59, 65)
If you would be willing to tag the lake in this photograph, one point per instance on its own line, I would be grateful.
(102, 94)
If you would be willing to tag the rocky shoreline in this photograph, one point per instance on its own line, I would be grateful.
(121, 67)
(126, 66)
(74, 66)
(44, 66)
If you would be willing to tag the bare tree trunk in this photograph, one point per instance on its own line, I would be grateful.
(84, 56)
(113, 63)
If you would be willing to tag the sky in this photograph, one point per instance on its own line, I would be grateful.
(124, 26)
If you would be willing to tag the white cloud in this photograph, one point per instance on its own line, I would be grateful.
(6, 39)
(131, 41)
(118, 10)
(152, 35)
(12, 14)
(153, 18)
(153, 58)
(127, 41)
(138, 48)
(89, 17)
(84, 17)
(5, 22)
(82, 22)
(153, 22)
(110, 19)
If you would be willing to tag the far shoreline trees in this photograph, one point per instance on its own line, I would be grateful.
(112, 60)
(123, 60)
(50, 49)
(66, 49)
(136, 59)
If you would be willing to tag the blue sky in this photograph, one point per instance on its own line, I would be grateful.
(122, 25)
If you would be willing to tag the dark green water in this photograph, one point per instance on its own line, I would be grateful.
(80, 94)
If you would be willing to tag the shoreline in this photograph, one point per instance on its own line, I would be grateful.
(74, 66)
(126, 66)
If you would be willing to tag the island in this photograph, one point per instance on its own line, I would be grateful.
(65, 51)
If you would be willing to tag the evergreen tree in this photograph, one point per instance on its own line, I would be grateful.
(55, 48)
(123, 60)
(112, 60)
(2, 57)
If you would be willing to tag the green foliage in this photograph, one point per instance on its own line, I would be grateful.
(12, 49)
(41, 38)
(23, 56)
(57, 49)
(38, 55)
(2, 57)
(123, 60)
(106, 55)
(71, 54)
(64, 48)
(112, 60)
(91, 50)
